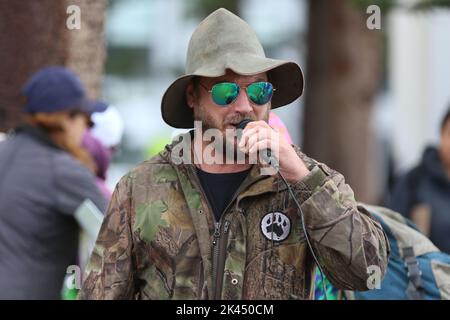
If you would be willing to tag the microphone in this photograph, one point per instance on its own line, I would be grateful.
(241, 125)
(266, 154)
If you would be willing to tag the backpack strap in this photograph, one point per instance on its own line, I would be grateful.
(415, 288)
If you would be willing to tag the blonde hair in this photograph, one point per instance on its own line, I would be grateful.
(52, 124)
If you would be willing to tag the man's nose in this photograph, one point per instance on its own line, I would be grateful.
(242, 103)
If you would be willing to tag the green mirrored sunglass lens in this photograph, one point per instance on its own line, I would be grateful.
(260, 92)
(224, 93)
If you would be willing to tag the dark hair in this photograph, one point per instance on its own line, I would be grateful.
(445, 119)
(51, 123)
(77, 111)
(196, 83)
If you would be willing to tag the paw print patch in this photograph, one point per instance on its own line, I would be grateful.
(275, 226)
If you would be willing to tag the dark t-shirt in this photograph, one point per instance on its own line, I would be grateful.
(220, 188)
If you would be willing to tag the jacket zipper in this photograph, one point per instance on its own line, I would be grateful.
(219, 248)
(216, 237)
(219, 260)
(218, 242)
(216, 234)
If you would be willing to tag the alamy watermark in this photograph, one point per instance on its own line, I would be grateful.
(73, 21)
(374, 20)
(74, 277)
(374, 279)
(213, 146)
(73, 273)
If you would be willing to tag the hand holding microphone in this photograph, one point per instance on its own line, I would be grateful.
(258, 136)
(266, 154)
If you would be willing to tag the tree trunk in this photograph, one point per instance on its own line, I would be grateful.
(343, 73)
(34, 34)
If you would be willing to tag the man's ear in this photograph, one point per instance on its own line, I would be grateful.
(190, 95)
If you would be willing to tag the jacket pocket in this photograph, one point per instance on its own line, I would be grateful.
(278, 273)
(173, 271)
(156, 285)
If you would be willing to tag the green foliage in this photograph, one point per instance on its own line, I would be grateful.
(127, 61)
(430, 4)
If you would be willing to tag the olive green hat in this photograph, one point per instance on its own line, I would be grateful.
(224, 41)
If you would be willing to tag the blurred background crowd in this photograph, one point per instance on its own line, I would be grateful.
(375, 105)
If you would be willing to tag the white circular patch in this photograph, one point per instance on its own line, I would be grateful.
(276, 226)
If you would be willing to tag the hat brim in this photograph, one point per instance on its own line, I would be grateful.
(91, 106)
(286, 77)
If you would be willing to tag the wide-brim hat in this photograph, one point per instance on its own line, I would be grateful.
(221, 42)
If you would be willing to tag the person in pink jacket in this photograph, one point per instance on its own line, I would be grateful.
(276, 123)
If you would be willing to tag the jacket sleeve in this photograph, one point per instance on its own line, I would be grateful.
(74, 184)
(348, 242)
(109, 273)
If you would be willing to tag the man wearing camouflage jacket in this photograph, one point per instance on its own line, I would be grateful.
(199, 230)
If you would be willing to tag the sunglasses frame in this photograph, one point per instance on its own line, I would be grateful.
(239, 87)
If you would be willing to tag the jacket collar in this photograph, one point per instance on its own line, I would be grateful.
(432, 163)
(254, 184)
(37, 134)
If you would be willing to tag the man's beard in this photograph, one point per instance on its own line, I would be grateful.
(230, 148)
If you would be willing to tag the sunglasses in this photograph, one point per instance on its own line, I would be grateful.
(225, 93)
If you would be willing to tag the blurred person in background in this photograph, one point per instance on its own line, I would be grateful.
(102, 141)
(276, 123)
(423, 194)
(44, 181)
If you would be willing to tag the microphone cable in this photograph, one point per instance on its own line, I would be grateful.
(267, 156)
(302, 218)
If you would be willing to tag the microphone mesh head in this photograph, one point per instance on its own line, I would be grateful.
(243, 123)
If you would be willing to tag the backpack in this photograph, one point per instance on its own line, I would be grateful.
(416, 270)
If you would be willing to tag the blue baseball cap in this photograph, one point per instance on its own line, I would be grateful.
(55, 88)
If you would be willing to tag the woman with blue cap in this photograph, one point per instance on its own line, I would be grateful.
(44, 185)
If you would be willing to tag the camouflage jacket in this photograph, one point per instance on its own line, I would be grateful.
(160, 240)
